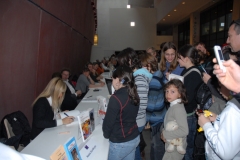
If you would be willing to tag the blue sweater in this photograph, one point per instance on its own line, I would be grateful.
(156, 109)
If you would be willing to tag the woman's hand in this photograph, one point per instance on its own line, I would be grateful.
(68, 120)
(206, 77)
(167, 75)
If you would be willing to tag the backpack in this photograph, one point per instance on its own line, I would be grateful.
(20, 126)
(203, 93)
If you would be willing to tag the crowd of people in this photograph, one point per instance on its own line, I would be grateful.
(145, 97)
(161, 101)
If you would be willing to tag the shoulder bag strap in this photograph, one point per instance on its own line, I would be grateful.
(193, 69)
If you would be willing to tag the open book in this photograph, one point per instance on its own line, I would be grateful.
(174, 76)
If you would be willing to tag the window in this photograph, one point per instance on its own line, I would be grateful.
(205, 28)
(184, 33)
(214, 23)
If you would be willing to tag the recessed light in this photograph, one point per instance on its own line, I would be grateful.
(183, 2)
(231, 10)
(132, 24)
(175, 10)
(128, 6)
(168, 15)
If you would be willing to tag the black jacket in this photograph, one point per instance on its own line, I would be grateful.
(191, 82)
(42, 117)
(120, 121)
(70, 100)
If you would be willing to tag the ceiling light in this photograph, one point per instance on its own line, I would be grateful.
(175, 10)
(231, 10)
(168, 15)
(128, 6)
(132, 24)
(183, 2)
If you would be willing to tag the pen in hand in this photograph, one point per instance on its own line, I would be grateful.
(67, 115)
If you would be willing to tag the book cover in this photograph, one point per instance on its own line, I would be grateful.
(59, 154)
(85, 124)
(72, 150)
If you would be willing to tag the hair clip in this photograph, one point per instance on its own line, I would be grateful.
(122, 81)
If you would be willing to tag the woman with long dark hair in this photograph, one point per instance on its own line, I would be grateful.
(119, 124)
(189, 58)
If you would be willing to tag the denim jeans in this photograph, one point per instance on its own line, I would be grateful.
(123, 151)
(192, 127)
(157, 145)
(137, 152)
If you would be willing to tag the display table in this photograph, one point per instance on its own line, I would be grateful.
(50, 138)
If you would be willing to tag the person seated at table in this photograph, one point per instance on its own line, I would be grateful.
(96, 77)
(103, 64)
(85, 81)
(119, 125)
(112, 64)
(98, 68)
(46, 107)
(71, 95)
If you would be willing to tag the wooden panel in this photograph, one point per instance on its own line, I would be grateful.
(19, 32)
(54, 49)
(34, 44)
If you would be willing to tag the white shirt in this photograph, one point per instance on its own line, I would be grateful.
(175, 102)
(70, 87)
(56, 115)
(223, 140)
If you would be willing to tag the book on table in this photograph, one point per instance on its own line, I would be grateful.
(86, 123)
(72, 150)
(59, 154)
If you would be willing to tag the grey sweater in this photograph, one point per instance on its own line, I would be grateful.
(177, 112)
(142, 83)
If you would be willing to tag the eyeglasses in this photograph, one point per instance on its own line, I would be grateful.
(235, 22)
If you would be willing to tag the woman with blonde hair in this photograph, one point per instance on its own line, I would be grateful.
(46, 107)
(169, 57)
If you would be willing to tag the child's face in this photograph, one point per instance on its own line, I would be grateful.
(172, 93)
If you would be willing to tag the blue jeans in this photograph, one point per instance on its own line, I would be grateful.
(157, 145)
(192, 127)
(123, 151)
(137, 152)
